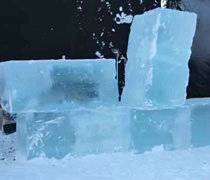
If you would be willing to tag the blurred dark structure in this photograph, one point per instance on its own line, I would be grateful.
(50, 29)
(199, 82)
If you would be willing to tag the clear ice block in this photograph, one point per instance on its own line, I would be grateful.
(104, 130)
(48, 134)
(78, 132)
(154, 127)
(200, 119)
(57, 85)
(159, 49)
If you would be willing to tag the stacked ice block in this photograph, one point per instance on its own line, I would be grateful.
(57, 85)
(158, 53)
(155, 127)
(76, 132)
(156, 79)
(64, 106)
(70, 107)
(200, 121)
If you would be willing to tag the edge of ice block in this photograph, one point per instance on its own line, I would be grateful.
(155, 108)
(53, 60)
(12, 63)
(169, 10)
(197, 101)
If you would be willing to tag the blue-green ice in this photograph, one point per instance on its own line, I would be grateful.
(70, 106)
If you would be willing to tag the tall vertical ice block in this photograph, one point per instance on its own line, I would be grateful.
(77, 132)
(152, 127)
(57, 85)
(159, 49)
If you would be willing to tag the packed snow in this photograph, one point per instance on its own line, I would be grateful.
(193, 164)
(200, 48)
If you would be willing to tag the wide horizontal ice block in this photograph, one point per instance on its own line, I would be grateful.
(154, 127)
(102, 130)
(110, 129)
(159, 49)
(78, 132)
(57, 85)
(200, 119)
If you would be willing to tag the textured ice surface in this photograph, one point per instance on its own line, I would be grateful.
(44, 133)
(200, 119)
(113, 129)
(104, 130)
(57, 85)
(79, 132)
(155, 127)
(158, 53)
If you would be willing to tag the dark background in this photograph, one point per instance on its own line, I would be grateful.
(49, 29)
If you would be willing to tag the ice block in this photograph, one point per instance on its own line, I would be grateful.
(151, 127)
(76, 132)
(200, 118)
(48, 134)
(57, 85)
(159, 49)
(85, 131)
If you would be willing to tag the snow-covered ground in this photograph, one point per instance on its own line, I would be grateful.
(7, 147)
(191, 164)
